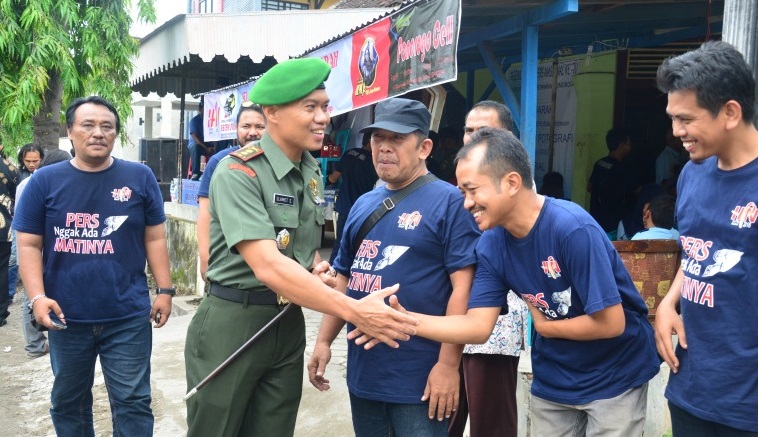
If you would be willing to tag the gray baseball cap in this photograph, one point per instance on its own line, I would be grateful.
(402, 116)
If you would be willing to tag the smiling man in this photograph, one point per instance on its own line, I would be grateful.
(711, 102)
(266, 207)
(490, 370)
(594, 352)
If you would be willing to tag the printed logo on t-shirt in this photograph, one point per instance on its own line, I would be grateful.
(696, 251)
(365, 282)
(409, 221)
(390, 254)
(112, 224)
(744, 216)
(538, 300)
(121, 194)
(563, 299)
(81, 233)
(551, 268)
(724, 259)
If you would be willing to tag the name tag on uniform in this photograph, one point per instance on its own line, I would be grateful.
(282, 199)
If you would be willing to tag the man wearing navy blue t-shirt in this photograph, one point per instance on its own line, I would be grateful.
(713, 388)
(85, 229)
(425, 244)
(594, 351)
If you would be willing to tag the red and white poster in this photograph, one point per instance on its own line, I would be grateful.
(412, 48)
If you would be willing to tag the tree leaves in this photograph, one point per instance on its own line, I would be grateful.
(87, 44)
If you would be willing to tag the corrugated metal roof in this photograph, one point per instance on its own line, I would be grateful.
(246, 39)
(347, 4)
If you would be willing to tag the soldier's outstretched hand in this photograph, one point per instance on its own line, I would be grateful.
(381, 323)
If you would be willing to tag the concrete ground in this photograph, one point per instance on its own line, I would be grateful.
(321, 413)
(26, 384)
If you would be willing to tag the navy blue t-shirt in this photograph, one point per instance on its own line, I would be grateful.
(612, 186)
(567, 267)
(196, 127)
(93, 226)
(717, 212)
(210, 167)
(418, 244)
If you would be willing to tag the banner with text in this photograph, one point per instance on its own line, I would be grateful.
(565, 117)
(220, 112)
(412, 48)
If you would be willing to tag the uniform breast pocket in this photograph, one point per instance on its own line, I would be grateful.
(286, 221)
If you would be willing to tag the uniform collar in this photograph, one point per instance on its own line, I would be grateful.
(280, 163)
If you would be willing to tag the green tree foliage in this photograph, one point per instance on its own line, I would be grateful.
(52, 51)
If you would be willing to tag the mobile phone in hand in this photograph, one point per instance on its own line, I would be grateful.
(57, 322)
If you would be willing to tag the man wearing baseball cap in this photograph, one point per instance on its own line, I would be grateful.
(425, 243)
(266, 203)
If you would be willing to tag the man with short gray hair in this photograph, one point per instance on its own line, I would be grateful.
(425, 243)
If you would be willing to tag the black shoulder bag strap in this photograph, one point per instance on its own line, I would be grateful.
(386, 205)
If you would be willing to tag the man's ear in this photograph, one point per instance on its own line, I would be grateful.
(733, 113)
(426, 148)
(511, 182)
(270, 113)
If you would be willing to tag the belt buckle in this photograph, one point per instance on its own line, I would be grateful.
(281, 300)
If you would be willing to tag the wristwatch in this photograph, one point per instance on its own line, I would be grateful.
(170, 291)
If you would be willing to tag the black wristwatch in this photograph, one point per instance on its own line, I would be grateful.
(170, 291)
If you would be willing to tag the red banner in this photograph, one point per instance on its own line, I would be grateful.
(414, 47)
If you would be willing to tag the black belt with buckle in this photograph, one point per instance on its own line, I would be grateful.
(245, 297)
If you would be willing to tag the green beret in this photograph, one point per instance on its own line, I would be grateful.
(289, 81)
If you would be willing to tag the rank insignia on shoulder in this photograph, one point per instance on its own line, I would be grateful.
(243, 168)
(247, 153)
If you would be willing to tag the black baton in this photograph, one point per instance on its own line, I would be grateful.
(239, 351)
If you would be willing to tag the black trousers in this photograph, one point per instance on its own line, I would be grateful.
(488, 397)
(5, 255)
(685, 424)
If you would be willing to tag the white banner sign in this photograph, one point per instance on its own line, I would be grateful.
(565, 118)
(221, 109)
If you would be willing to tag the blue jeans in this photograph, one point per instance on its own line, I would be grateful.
(196, 151)
(13, 267)
(124, 348)
(35, 340)
(385, 419)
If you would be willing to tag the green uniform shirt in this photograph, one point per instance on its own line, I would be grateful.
(263, 196)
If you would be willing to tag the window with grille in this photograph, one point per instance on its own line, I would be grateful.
(276, 5)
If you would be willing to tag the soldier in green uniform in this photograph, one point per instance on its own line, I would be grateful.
(264, 236)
